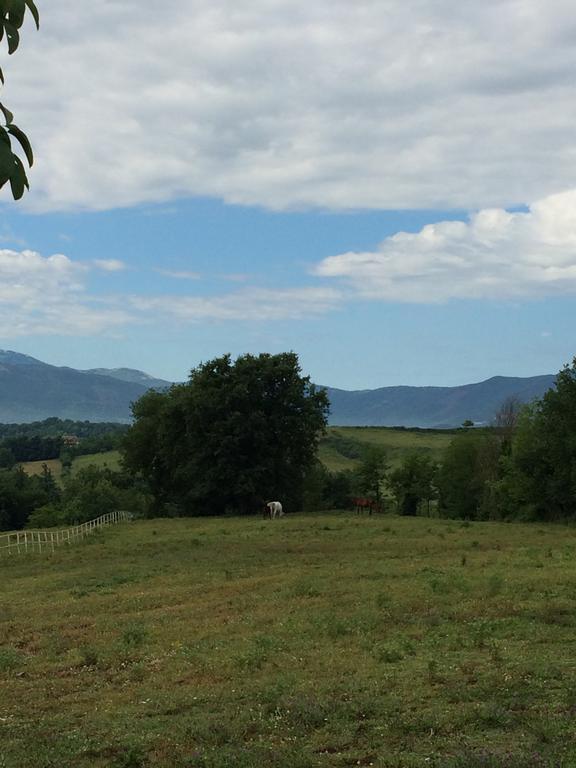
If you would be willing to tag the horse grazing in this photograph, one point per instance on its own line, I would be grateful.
(362, 503)
(274, 509)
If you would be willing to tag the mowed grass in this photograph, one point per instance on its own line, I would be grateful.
(110, 459)
(342, 446)
(321, 640)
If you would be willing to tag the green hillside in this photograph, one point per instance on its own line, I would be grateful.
(343, 447)
(110, 459)
(311, 641)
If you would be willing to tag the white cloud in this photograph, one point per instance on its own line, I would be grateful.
(45, 295)
(180, 274)
(110, 265)
(495, 255)
(288, 103)
(255, 304)
(50, 296)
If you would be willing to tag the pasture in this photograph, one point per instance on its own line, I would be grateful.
(342, 447)
(110, 459)
(319, 640)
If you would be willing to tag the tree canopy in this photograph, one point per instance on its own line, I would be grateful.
(236, 434)
(12, 15)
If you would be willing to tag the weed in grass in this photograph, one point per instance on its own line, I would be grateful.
(475, 544)
(495, 652)
(134, 636)
(548, 730)
(88, 656)
(490, 759)
(495, 585)
(130, 757)
(304, 588)
(10, 658)
(388, 654)
(434, 675)
(463, 560)
(492, 715)
(383, 600)
(556, 615)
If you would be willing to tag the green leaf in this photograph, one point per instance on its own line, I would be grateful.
(34, 11)
(24, 143)
(18, 179)
(8, 116)
(4, 136)
(16, 13)
(1, 76)
(6, 163)
(13, 36)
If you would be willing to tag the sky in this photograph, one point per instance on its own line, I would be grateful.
(386, 188)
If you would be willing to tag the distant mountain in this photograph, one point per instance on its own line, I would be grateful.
(31, 390)
(439, 407)
(131, 375)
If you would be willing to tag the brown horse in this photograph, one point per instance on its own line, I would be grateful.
(362, 504)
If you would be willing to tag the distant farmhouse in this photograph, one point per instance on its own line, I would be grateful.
(70, 441)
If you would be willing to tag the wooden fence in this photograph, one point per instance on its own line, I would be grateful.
(22, 542)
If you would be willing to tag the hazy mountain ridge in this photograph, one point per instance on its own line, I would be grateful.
(432, 406)
(131, 375)
(31, 390)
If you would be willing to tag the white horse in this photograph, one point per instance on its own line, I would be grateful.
(275, 509)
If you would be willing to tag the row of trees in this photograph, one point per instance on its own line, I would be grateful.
(38, 501)
(525, 468)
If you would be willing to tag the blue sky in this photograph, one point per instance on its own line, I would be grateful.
(326, 180)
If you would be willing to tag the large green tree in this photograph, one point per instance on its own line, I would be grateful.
(12, 15)
(238, 433)
(540, 481)
(412, 483)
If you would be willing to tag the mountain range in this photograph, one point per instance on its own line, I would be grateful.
(31, 390)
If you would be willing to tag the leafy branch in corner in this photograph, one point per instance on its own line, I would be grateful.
(12, 14)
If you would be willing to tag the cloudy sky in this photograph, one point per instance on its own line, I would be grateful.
(387, 188)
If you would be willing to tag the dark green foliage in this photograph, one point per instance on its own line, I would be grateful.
(327, 490)
(541, 472)
(33, 447)
(370, 475)
(237, 434)
(413, 483)
(524, 468)
(458, 486)
(20, 495)
(55, 427)
(91, 492)
(12, 15)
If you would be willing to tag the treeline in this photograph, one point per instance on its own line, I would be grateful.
(521, 468)
(55, 427)
(525, 469)
(38, 501)
(44, 440)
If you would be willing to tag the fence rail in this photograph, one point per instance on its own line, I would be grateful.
(22, 542)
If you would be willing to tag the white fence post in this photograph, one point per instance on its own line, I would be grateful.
(22, 542)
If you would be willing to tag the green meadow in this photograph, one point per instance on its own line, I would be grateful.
(318, 640)
(110, 459)
(343, 447)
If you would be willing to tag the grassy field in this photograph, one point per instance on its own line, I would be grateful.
(322, 640)
(110, 459)
(343, 446)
